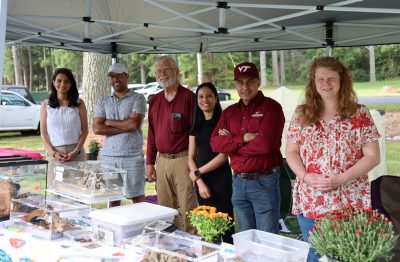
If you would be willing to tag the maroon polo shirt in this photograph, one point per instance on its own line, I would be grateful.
(169, 123)
(262, 115)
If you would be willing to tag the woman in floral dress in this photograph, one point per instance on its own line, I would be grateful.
(332, 144)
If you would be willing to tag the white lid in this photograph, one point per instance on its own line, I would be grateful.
(133, 214)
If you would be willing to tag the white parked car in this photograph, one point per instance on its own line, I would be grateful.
(150, 90)
(136, 86)
(18, 114)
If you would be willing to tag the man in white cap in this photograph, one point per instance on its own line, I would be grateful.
(119, 117)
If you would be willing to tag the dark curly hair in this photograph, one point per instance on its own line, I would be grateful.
(73, 95)
(198, 115)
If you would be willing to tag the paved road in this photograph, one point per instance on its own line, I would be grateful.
(380, 100)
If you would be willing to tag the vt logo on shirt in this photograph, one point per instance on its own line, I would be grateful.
(257, 114)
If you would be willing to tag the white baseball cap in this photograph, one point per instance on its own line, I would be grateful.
(117, 68)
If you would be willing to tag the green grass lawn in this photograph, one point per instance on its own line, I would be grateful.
(392, 158)
(17, 140)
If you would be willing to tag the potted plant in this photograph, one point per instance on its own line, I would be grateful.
(93, 150)
(209, 223)
(354, 235)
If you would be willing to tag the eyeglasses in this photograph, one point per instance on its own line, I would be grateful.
(116, 75)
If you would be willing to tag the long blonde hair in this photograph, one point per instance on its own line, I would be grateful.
(313, 108)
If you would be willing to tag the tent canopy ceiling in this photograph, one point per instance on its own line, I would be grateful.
(187, 26)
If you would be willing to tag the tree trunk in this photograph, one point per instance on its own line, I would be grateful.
(25, 65)
(95, 83)
(372, 70)
(208, 76)
(46, 73)
(30, 68)
(275, 69)
(17, 66)
(199, 69)
(263, 69)
(282, 66)
(142, 74)
(250, 57)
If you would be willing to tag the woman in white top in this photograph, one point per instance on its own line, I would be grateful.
(63, 122)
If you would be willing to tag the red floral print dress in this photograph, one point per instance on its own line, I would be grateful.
(332, 148)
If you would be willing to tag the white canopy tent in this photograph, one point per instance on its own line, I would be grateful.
(188, 26)
(179, 26)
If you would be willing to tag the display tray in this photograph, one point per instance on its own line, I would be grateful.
(159, 246)
(89, 182)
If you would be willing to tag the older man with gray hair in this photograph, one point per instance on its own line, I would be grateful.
(170, 118)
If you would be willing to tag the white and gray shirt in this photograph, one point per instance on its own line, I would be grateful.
(113, 108)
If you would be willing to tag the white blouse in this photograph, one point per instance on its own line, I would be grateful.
(63, 125)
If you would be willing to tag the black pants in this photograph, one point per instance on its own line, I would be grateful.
(385, 192)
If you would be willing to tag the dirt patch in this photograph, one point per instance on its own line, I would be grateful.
(392, 124)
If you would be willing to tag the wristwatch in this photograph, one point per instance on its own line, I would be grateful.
(77, 150)
(197, 173)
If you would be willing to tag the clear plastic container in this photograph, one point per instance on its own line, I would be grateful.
(20, 176)
(259, 246)
(46, 217)
(159, 246)
(88, 181)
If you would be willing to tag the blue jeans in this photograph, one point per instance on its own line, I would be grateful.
(257, 203)
(306, 224)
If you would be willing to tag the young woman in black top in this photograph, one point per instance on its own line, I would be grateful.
(208, 170)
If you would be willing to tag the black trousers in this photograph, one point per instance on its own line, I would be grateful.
(385, 192)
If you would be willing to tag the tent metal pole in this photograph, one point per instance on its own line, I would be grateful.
(276, 26)
(88, 14)
(328, 50)
(181, 15)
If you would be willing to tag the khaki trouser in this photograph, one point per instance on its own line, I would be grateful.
(175, 189)
(52, 161)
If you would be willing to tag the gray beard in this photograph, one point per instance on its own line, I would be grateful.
(170, 82)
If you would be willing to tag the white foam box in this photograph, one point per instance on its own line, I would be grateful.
(112, 225)
(259, 246)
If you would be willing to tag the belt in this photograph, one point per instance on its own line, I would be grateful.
(174, 155)
(256, 175)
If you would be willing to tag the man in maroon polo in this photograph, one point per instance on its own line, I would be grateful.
(250, 132)
(170, 117)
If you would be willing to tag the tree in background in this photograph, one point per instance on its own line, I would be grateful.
(95, 83)
(17, 66)
(33, 62)
(69, 59)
